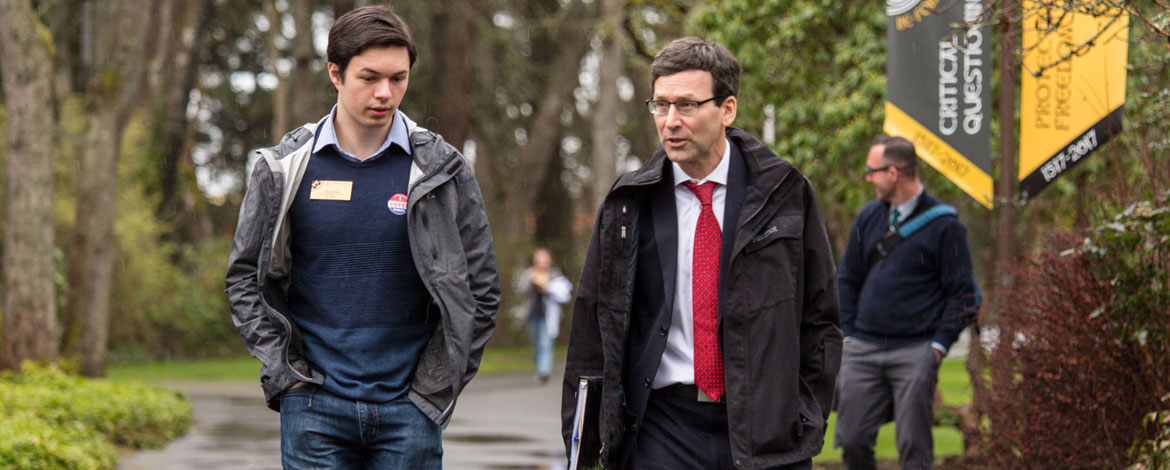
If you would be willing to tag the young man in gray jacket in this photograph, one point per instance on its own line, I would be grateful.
(362, 274)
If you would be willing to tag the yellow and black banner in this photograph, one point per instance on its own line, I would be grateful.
(1072, 89)
(938, 92)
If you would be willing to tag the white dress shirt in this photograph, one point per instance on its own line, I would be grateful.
(678, 359)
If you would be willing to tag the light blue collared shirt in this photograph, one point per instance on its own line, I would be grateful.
(397, 135)
(907, 208)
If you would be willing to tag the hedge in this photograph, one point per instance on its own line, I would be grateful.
(53, 421)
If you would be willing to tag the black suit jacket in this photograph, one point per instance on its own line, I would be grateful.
(779, 322)
(655, 278)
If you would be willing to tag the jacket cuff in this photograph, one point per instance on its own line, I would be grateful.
(939, 347)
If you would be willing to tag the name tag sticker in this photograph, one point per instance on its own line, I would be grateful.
(326, 190)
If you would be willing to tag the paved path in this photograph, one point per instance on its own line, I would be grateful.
(502, 422)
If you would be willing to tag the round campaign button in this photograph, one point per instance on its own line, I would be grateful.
(397, 204)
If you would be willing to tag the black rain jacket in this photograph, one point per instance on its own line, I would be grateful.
(779, 327)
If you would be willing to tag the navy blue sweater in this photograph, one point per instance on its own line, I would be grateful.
(922, 291)
(355, 292)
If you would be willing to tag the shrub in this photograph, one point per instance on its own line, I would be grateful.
(125, 413)
(1132, 254)
(30, 443)
(1090, 360)
(1155, 453)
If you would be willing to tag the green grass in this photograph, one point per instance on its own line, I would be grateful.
(947, 441)
(214, 370)
(514, 359)
(954, 383)
(495, 361)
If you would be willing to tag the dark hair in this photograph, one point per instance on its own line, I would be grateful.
(692, 53)
(366, 27)
(881, 140)
(900, 152)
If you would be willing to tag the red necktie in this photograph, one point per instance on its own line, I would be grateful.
(705, 295)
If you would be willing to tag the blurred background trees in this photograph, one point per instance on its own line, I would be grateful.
(129, 126)
(128, 148)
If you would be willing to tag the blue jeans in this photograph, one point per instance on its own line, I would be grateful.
(321, 430)
(542, 343)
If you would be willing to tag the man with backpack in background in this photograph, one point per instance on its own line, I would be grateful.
(907, 291)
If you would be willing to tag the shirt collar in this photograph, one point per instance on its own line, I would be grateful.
(718, 175)
(907, 208)
(397, 136)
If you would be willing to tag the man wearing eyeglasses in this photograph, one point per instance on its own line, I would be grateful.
(900, 312)
(708, 302)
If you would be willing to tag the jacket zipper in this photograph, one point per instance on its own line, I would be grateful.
(434, 254)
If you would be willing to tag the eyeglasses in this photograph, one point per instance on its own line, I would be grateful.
(685, 108)
(870, 171)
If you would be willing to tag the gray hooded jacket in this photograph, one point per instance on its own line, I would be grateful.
(449, 240)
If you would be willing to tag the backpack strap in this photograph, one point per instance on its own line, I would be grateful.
(894, 237)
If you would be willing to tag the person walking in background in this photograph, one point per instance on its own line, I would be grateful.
(901, 309)
(362, 273)
(708, 300)
(545, 290)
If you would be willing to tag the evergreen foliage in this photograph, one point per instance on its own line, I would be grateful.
(31, 443)
(50, 420)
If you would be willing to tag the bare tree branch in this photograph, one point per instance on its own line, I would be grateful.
(1076, 51)
(1133, 10)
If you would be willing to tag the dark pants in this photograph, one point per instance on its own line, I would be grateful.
(680, 433)
(875, 382)
(320, 430)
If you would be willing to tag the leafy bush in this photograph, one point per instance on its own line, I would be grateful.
(125, 413)
(1090, 361)
(1132, 254)
(1155, 453)
(30, 443)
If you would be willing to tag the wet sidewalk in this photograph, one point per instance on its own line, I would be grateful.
(502, 422)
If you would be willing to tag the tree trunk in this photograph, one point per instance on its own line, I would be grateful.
(455, 34)
(546, 123)
(63, 20)
(971, 416)
(553, 215)
(280, 94)
(1002, 375)
(29, 315)
(175, 207)
(305, 103)
(605, 114)
(117, 86)
(643, 132)
(95, 244)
